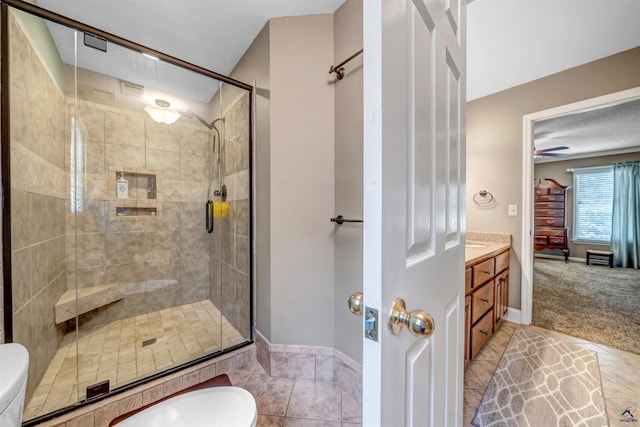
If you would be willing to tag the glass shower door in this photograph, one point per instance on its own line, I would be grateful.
(146, 163)
(130, 213)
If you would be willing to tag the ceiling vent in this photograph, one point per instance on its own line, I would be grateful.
(131, 89)
(96, 95)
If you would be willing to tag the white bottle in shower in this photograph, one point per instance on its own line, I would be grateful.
(122, 191)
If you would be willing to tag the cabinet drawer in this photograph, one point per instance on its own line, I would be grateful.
(542, 191)
(540, 240)
(550, 212)
(549, 205)
(502, 261)
(483, 271)
(481, 332)
(556, 190)
(549, 222)
(554, 198)
(467, 280)
(556, 241)
(482, 301)
(549, 232)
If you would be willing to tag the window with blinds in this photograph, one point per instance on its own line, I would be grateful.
(593, 202)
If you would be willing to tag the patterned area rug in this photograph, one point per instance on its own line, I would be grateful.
(592, 302)
(541, 381)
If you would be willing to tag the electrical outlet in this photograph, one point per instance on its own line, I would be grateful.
(513, 210)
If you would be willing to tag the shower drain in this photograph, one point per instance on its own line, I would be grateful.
(149, 342)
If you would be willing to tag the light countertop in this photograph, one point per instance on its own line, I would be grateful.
(480, 246)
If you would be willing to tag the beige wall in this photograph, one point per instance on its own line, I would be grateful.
(494, 140)
(347, 32)
(558, 171)
(302, 181)
(294, 176)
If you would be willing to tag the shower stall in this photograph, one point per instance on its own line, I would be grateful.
(127, 209)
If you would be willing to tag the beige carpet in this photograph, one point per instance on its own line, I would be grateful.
(541, 381)
(593, 302)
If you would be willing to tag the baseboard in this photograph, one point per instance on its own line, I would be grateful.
(514, 315)
(314, 363)
(561, 257)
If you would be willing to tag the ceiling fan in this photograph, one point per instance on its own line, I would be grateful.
(550, 152)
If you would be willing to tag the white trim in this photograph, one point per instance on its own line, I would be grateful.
(560, 257)
(526, 278)
(514, 315)
(526, 297)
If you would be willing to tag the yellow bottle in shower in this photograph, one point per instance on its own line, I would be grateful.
(220, 209)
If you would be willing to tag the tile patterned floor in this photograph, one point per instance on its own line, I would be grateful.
(284, 402)
(620, 372)
(116, 352)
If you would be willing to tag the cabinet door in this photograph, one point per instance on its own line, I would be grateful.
(467, 326)
(501, 305)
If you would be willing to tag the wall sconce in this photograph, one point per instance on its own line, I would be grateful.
(161, 112)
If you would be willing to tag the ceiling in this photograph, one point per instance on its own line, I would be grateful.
(611, 129)
(509, 42)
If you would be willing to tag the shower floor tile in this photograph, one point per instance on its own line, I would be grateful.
(127, 349)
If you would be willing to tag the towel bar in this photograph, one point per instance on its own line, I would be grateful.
(340, 219)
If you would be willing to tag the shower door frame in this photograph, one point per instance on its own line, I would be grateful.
(5, 153)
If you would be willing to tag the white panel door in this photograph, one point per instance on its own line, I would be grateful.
(414, 176)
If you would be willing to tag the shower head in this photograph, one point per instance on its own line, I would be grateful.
(190, 114)
(162, 112)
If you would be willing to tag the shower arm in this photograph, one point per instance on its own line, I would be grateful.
(220, 192)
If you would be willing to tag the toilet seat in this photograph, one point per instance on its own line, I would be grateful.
(14, 365)
(213, 406)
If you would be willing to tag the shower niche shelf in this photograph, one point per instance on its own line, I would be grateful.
(141, 203)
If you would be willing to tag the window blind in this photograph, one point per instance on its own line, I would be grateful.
(593, 203)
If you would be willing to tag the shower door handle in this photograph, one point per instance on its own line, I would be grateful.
(209, 216)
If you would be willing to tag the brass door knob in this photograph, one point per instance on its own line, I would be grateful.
(418, 322)
(355, 303)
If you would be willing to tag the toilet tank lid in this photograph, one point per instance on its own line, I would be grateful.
(14, 365)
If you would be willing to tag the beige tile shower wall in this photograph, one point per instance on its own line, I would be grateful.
(37, 201)
(156, 261)
(229, 248)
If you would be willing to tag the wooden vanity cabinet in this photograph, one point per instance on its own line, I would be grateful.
(550, 231)
(486, 301)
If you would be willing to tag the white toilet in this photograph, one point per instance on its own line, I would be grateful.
(211, 407)
(14, 366)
